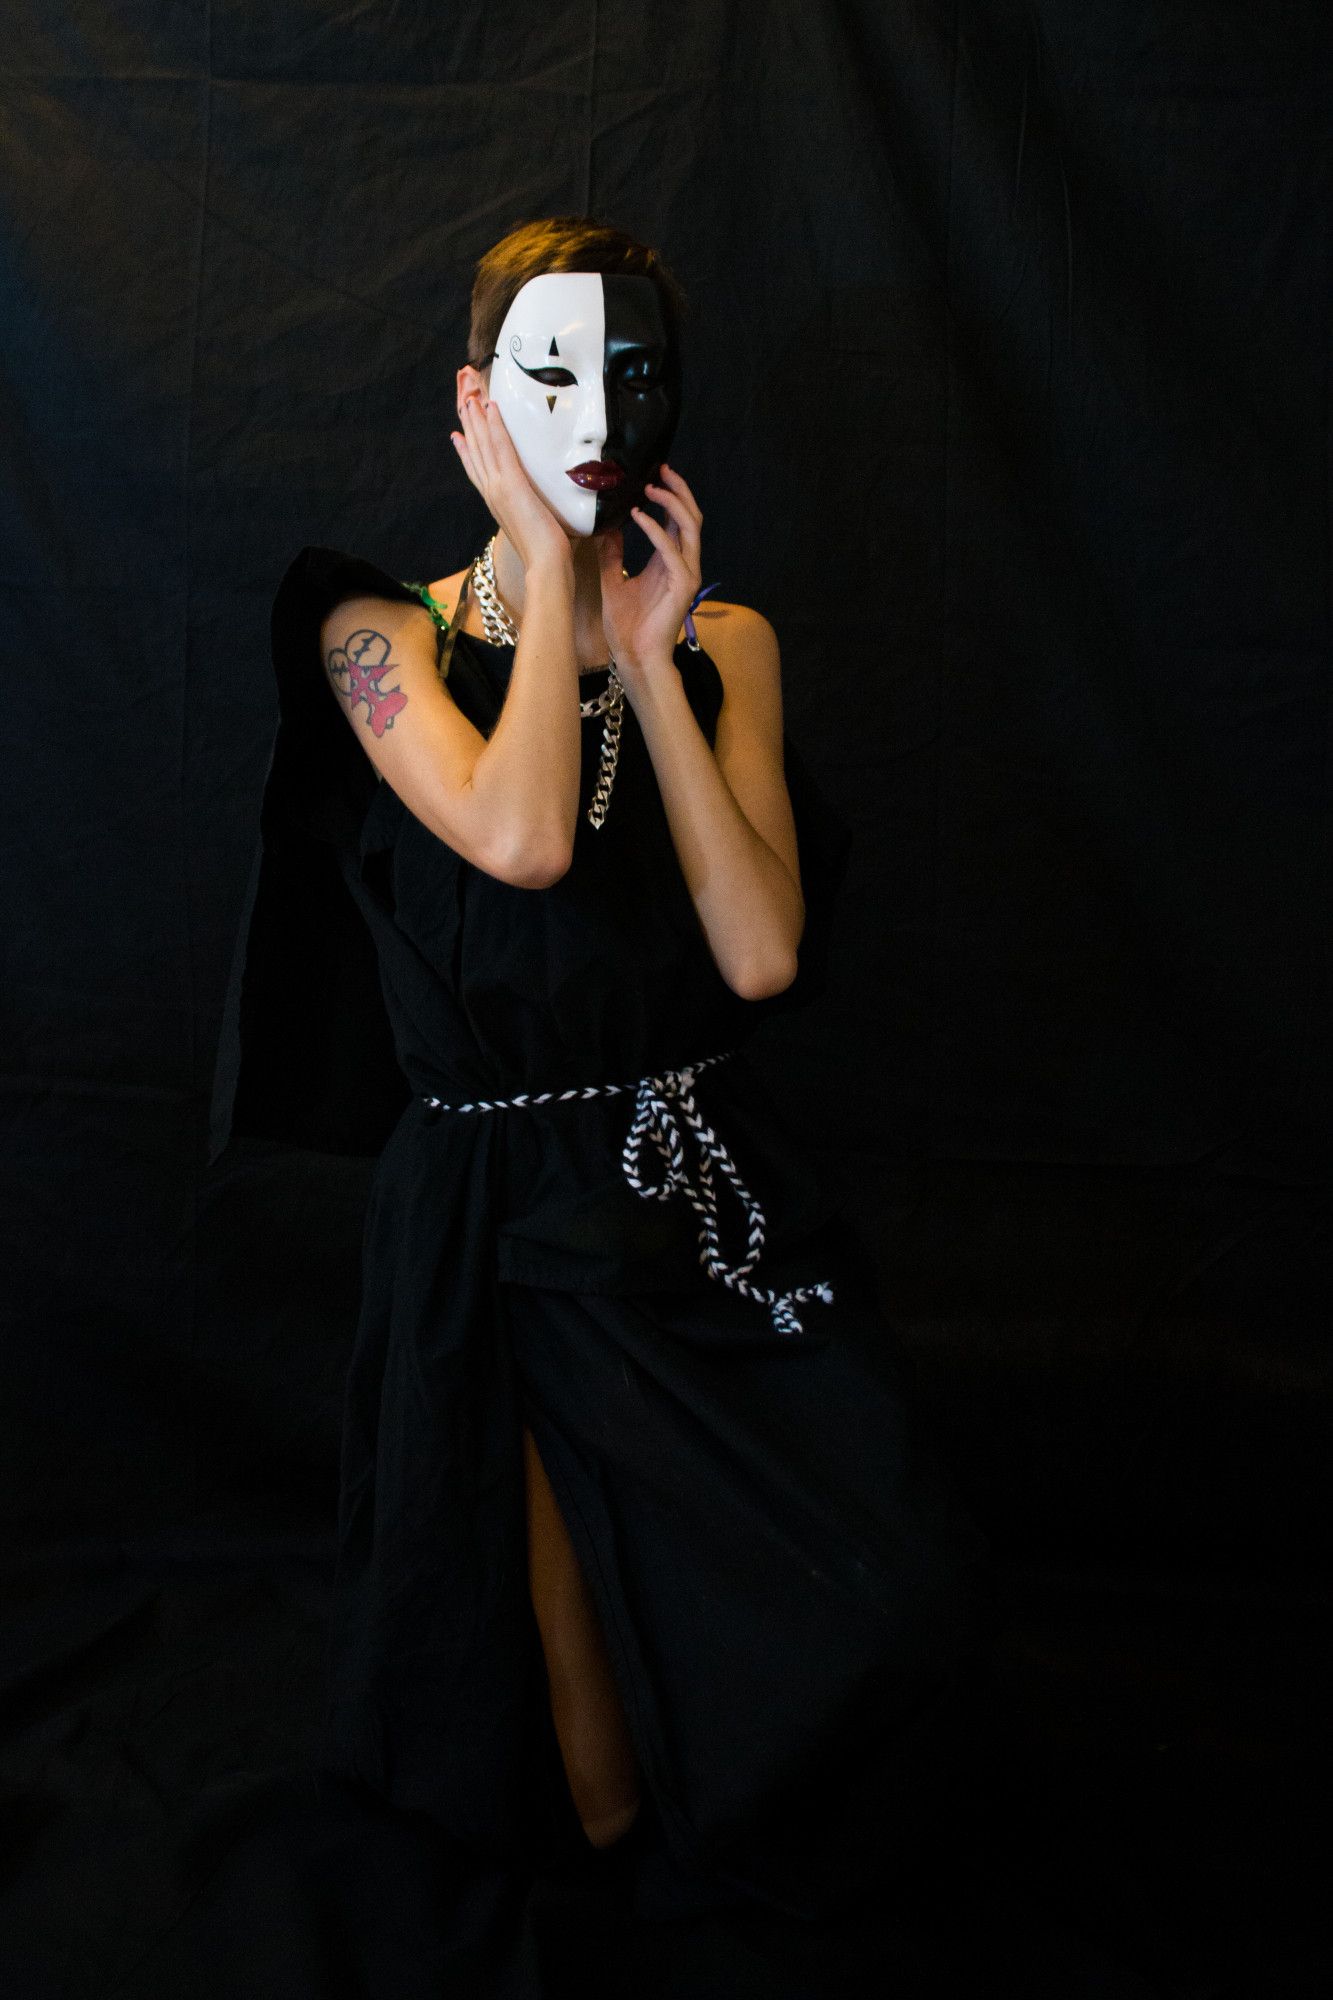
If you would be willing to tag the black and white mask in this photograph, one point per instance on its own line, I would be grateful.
(587, 378)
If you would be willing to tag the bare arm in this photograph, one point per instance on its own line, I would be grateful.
(727, 802)
(507, 802)
(728, 807)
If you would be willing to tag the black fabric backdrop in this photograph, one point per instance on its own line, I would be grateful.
(1008, 402)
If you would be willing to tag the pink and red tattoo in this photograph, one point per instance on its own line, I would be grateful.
(357, 671)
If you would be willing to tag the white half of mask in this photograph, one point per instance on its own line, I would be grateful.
(555, 330)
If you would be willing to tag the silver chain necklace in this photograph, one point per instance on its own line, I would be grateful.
(502, 631)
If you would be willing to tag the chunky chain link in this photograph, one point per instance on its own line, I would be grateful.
(502, 631)
(500, 627)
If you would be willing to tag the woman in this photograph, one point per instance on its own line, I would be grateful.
(633, 1513)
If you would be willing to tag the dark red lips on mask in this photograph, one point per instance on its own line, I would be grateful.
(597, 475)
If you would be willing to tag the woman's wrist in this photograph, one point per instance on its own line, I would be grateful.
(552, 569)
(547, 621)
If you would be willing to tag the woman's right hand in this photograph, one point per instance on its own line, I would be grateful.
(492, 463)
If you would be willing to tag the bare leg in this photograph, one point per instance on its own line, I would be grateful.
(585, 1702)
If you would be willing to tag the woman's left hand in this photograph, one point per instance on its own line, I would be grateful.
(642, 615)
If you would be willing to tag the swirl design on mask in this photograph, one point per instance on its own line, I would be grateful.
(552, 378)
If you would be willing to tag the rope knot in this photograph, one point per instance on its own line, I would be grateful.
(658, 1100)
(655, 1121)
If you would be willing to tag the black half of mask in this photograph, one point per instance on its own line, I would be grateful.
(642, 380)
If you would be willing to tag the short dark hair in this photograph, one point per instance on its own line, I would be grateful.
(561, 243)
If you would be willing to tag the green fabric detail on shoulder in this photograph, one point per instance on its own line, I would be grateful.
(432, 604)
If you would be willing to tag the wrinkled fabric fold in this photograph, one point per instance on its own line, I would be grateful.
(654, 1280)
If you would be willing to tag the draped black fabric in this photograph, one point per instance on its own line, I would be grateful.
(786, 1577)
(1006, 399)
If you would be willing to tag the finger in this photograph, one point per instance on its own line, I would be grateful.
(459, 443)
(501, 443)
(683, 521)
(504, 452)
(463, 443)
(678, 485)
(478, 432)
(672, 527)
(671, 503)
(478, 437)
(665, 544)
(684, 531)
(467, 425)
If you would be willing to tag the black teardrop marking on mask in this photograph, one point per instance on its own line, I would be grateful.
(550, 402)
(553, 349)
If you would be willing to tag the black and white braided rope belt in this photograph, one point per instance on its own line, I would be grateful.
(659, 1098)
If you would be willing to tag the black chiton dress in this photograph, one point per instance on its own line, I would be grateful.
(786, 1575)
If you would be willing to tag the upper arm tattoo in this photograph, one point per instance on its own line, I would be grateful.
(357, 671)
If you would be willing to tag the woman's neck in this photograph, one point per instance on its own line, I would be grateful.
(511, 579)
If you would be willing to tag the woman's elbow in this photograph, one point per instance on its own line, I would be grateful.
(535, 866)
(761, 982)
(518, 865)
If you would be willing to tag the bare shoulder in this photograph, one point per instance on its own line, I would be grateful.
(739, 638)
(380, 623)
(743, 646)
(446, 592)
(398, 619)
(446, 588)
